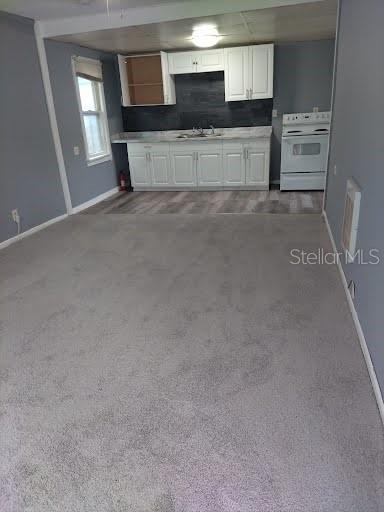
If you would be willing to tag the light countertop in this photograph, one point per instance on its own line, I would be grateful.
(253, 132)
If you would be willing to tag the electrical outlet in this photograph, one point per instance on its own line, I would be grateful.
(274, 112)
(15, 215)
(76, 150)
(315, 109)
(335, 170)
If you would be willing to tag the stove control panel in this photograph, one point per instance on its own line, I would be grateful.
(307, 118)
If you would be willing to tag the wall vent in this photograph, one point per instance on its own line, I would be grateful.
(351, 219)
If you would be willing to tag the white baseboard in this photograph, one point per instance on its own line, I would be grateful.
(31, 231)
(95, 200)
(360, 333)
(77, 209)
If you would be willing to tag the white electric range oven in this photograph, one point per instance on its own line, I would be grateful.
(304, 151)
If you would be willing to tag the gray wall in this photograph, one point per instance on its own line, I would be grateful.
(29, 175)
(85, 182)
(302, 80)
(357, 148)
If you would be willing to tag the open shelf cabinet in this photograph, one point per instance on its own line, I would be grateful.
(145, 80)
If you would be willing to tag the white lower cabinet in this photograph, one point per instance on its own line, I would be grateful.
(209, 165)
(183, 167)
(234, 165)
(193, 165)
(159, 163)
(149, 165)
(139, 169)
(257, 166)
(246, 165)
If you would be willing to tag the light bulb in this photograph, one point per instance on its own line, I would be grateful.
(205, 36)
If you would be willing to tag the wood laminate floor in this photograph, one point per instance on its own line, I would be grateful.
(201, 202)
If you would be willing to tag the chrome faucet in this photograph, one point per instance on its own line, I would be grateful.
(212, 129)
(198, 131)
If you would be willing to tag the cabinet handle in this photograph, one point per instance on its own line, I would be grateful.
(197, 156)
(247, 94)
(244, 154)
(250, 93)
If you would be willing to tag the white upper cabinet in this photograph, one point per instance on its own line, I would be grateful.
(182, 62)
(248, 72)
(236, 73)
(210, 60)
(196, 62)
(261, 60)
(148, 79)
(145, 80)
(169, 91)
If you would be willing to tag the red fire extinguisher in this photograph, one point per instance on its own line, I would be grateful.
(123, 183)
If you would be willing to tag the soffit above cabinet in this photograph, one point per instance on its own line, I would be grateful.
(309, 21)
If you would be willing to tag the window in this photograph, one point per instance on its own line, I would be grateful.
(90, 95)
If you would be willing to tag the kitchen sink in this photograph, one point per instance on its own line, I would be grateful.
(198, 135)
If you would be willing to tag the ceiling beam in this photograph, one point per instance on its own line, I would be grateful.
(154, 14)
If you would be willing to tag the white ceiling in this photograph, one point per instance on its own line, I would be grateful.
(54, 9)
(310, 21)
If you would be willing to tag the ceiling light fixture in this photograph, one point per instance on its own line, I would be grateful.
(205, 36)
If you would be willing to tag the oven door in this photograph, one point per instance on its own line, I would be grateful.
(305, 153)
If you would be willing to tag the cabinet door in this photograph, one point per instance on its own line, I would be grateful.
(236, 74)
(183, 167)
(168, 81)
(261, 83)
(139, 169)
(210, 166)
(234, 165)
(182, 62)
(125, 98)
(210, 60)
(160, 167)
(257, 166)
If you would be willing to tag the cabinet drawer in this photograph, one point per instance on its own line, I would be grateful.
(139, 148)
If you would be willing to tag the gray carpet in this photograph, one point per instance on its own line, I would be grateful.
(180, 364)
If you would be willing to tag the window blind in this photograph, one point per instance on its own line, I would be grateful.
(88, 68)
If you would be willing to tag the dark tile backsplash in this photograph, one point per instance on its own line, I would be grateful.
(200, 102)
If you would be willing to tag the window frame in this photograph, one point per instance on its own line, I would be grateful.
(99, 95)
